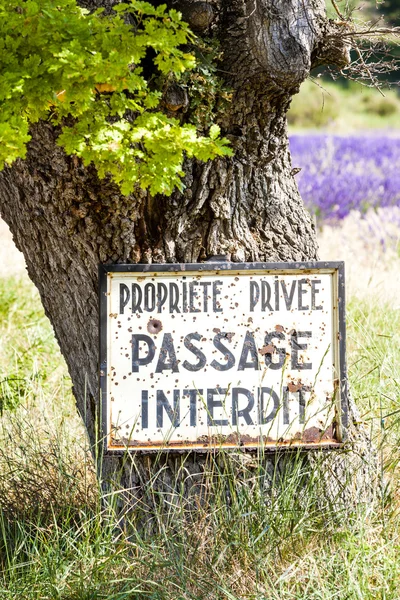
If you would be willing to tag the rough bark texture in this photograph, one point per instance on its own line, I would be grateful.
(66, 221)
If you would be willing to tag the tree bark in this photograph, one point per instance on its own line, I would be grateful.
(66, 221)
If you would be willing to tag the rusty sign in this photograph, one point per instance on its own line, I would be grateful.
(195, 356)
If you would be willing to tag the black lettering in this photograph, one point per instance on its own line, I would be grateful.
(285, 405)
(167, 350)
(243, 412)
(173, 298)
(302, 406)
(254, 294)
(145, 409)
(314, 292)
(193, 405)
(124, 296)
(184, 297)
(229, 357)
(162, 293)
(192, 296)
(296, 347)
(216, 292)
(280, 352)
(196, 351)
(300, 293)
(149, 297)
(136, 298)
(163, 404)
(300, 394)
(145, 360)
(211, 404)
(249, 347)
(205, 285)
(288, 297)
(276, 284)
(263, 419)
(265, 296)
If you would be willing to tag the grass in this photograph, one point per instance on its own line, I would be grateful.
(342, 109)
(28, 350)
(244, 541)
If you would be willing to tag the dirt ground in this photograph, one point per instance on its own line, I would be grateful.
(370, 248)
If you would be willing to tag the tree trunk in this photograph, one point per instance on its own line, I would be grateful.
(66, 221)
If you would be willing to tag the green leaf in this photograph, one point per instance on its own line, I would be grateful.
(214, 132)
(58, 60)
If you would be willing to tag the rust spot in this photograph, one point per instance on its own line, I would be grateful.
(233, 438)
(270, 349)
(279, 328)
(294, 387)
(216, 330)
(328, 433)
(313, 434)
(154, 326)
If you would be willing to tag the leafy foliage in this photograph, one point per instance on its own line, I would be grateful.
(83, 71)
(208, 91)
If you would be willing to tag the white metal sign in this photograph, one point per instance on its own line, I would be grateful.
(198, 356)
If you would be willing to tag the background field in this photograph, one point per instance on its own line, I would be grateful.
(58, 542)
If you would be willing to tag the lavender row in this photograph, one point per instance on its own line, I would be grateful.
(341, 174)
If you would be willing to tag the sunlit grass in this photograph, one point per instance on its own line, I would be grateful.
(29, 353)
(343, 109)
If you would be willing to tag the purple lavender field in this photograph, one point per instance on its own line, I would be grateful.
(342, 174)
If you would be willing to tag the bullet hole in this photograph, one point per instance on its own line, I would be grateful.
(154, 326)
